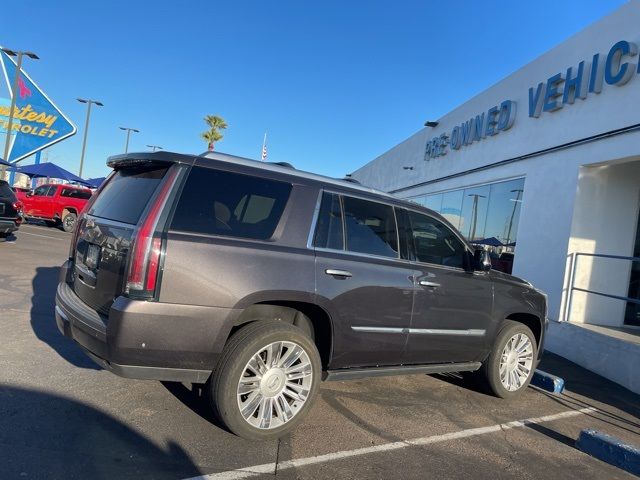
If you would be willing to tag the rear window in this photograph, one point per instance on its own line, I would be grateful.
(230, 204)
(126, 195)
(75, 193)
(6, 192)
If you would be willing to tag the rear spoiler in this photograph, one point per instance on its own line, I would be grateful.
(148, 158)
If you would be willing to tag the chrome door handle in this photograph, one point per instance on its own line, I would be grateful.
(426, 283)
(338, 273)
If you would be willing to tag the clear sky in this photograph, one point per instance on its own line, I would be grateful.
(334, 83)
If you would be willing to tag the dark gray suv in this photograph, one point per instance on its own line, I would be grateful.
(261, 281)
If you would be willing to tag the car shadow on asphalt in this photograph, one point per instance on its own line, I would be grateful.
(48, 436)
(43, 323)
(195, 398)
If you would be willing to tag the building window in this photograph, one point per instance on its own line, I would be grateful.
(487, 216)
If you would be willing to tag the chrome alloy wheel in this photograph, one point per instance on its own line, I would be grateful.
(274, 385)
(516, 362)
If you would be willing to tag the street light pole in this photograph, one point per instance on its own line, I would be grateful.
(86, 129)
(14, 91)
(474, 214)
(154, 147)
(129, 130)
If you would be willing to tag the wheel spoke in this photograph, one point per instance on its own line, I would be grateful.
(248, 385)
(290, 357)
(287, 413)
(273, 354)
(266, 411)
(251, 404)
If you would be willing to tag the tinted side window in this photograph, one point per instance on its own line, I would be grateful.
(329, 226)
(435, 242)
(6, 192)
(75, 193)
(370, 227)
(38, 192)
(230, 204)
(52, 191)
(126, 195)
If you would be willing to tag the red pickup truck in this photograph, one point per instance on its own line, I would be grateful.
(55, 204)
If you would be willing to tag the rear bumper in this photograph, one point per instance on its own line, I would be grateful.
(8, 225)
(146, 340)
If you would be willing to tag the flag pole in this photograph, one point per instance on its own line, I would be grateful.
(263, 155)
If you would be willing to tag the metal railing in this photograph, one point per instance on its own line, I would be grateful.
(572, 274)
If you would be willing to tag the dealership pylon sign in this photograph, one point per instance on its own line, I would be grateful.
(37, 122)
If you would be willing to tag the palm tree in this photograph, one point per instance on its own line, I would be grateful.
(213, 135)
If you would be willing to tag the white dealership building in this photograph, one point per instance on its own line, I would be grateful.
(543, 169)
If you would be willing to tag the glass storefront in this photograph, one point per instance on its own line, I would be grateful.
(486, 215)
(632, 314)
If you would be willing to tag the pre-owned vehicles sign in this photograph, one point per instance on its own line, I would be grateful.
(37, 122)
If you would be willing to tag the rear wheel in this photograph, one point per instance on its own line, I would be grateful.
(510, 366)
(266, 380)
(69, 222)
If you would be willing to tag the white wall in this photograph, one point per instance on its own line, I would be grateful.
(604, 222)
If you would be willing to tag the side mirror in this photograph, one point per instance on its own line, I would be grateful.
(481, 260)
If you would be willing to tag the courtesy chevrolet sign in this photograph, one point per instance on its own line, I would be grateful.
(37, 122)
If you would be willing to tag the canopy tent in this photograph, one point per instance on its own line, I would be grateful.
(95, 182)
(2, 162)
(491, 241)
(50, 170)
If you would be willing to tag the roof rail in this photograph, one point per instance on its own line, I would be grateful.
(351, 180)
(283, 164)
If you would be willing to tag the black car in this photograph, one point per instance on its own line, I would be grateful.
(260, 281)
(10, 210)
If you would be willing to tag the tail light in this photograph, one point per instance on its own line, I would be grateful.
(146, 249)
(82, 214)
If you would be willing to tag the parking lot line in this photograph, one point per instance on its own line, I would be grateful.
(22, 232)
(256, 470)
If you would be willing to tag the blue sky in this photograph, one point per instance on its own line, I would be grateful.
(334, 83)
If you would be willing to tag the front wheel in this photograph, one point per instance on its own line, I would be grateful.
(266, 380)
(509, 367)
(69, 222)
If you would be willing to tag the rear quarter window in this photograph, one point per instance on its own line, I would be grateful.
(230, 204)
(75, 193)
(127, 193)
(6, 192)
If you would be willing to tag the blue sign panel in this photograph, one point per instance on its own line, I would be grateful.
(37, 122)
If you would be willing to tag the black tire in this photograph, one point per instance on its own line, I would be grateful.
(490, 370)
(222, 387)
(69, 222)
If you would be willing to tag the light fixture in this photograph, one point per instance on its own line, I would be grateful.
(431, 123)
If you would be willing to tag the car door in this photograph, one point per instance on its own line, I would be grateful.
(453, 305)
(362, 282)
(33, 203)
(47, 203)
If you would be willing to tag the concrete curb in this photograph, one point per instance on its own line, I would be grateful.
(610, 450)
(547, 382)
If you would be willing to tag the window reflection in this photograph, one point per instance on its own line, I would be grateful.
(452, 207)
(487, 216)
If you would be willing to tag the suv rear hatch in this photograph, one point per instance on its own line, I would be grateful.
(107, 230)
(9, 204)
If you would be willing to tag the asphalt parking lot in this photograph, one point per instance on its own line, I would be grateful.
(63, 417)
